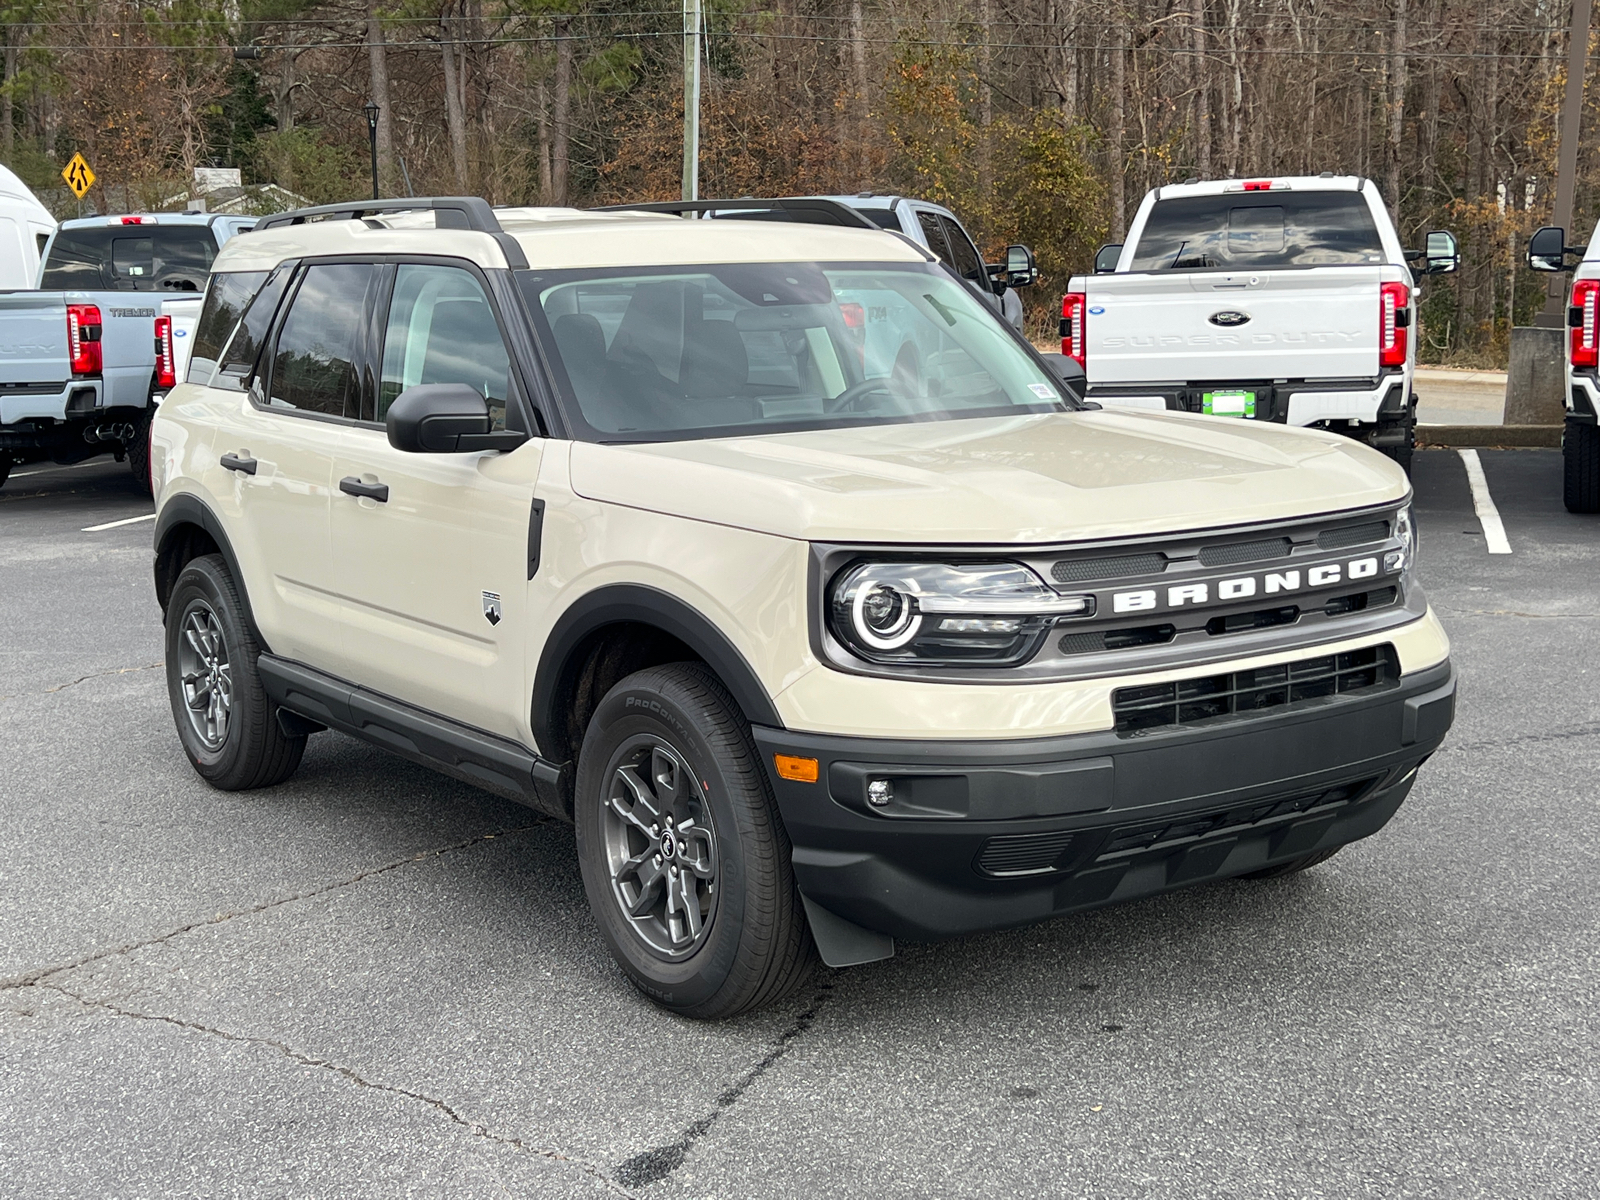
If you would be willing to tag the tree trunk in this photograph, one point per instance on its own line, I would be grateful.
(561, 117)
(1397, 106)
(858, 86)
(1202, 90)
(283, 92)
(1116, 134)
(985, 105)
(378, 66)
(8, 134)
(542, 102)
(455, 116)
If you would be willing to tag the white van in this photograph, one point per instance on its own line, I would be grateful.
(25, 227)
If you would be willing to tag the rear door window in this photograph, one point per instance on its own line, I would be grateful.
(130, 258)
(316, 359)
(1258, 230)
(935, 235)
(227, 297)
(442, 330)
(964, 254)
(244, 349)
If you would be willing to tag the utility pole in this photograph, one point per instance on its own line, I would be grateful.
(1554, 314)
(691, 97)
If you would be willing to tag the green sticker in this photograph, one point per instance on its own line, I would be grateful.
(1229, 404)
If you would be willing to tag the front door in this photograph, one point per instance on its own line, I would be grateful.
(430, 551)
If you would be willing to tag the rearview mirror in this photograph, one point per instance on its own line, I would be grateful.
(1021, 271)
(1105, 258)
(445, 418)
(1442, 254)
(1547, 249)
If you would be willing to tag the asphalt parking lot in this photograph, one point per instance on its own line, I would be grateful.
(373, 981)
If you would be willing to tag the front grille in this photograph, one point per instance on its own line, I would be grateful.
(1024, 853)
(1160, 834)
(1117, 639)
(1209, 697)
(1361, 601)
(1082, 570)
(1353, 535)
(1245, 552)
(1244, 622)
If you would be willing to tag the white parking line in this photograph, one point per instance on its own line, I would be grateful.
(114, 524)
(1494, 533)
(93, 462)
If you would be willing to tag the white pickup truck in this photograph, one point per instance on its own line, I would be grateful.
(1580, 438)
(1287, 300)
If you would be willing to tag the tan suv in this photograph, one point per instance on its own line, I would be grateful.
(635, 520)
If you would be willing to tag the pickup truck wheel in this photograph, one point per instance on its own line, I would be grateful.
(227, 724)
(5, 468)
(1580, 460)
(684, 858)
(139, 456)
(1402, 452)
(1294, 866)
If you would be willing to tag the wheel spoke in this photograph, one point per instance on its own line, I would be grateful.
(199, 695)
(696, 850)
(646, 898)
(642, 798)
(196, 638)
(682, 901)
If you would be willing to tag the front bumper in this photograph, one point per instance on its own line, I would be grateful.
(991, 834)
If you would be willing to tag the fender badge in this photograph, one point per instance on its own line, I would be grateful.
(1097, 310)
(491, 607)
(1229, 318)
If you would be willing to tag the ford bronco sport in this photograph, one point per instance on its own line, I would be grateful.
(611, 514)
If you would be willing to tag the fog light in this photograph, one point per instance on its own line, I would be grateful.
(879, 792)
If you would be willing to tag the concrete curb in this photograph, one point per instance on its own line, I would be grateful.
(1514, 436)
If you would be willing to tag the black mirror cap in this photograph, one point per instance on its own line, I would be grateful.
(1547, 249)
(1105, 258)
(1068, 374)
(1441, 252)
(432, 418)
(1021, 269)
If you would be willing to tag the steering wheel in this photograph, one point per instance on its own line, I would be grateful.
(854, 392)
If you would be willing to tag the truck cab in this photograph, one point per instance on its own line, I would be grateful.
(1289, 300)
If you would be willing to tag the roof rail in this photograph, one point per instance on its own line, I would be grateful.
(450, 212)
(809, 210)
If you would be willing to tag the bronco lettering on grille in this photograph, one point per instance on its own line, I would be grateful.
(1242, 587)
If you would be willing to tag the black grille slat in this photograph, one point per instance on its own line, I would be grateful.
(1353, 535)
(1083, 570)
(1024, 853)
(1117, 639)
(1245, 552)
(1189, 701)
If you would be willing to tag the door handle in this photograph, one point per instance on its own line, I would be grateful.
(234, 463)
(351, 486)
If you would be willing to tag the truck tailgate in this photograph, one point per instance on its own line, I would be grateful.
(185, 316)
(1186, 327)
(33, 338)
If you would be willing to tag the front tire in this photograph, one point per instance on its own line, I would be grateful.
(226, 722)
(684, 858)
(1580, 461)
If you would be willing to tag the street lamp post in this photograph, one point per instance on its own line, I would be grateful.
(371, 110)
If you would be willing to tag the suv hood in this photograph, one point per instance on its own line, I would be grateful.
(1052, 477)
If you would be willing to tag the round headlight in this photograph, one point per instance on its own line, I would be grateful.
(883, 615)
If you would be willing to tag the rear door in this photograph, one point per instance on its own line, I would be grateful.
(1243, 286)
(431, 573)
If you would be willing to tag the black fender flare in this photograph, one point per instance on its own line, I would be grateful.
(188, 509)
(635, 604)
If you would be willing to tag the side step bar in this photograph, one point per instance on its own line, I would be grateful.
(493, 763)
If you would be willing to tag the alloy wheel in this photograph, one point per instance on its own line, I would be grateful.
(206, 675)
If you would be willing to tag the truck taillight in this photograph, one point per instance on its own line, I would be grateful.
(1393, 319)
(1074, 310)
(83, 338)
(166, 373)
(1584, 349)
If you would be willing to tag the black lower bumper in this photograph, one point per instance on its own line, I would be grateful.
(986, 835)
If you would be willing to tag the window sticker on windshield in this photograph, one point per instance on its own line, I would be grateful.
(1042, 390)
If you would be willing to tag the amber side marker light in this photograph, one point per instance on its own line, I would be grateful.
(799, 770)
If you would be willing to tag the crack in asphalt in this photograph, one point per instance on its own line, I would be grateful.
(1512, 612)
(30, 978)
(61, 687)
(1563, 735)
(310, 1060)
(654, 1165)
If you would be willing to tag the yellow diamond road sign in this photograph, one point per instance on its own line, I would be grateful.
(78, 176)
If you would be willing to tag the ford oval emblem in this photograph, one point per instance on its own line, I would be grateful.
(1096, 310)
(1229, 318)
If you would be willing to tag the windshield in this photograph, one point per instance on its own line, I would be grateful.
(712, 351)
(1258, 231)
(130, 258)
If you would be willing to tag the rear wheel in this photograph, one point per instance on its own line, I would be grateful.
(1294, 866)
(139, 455)
(684, 858)
(1580, 454)
(1401, 437)
(226, 722)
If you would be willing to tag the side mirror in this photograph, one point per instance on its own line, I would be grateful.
(1547, 249)
(1441, 253)
(444, 418)
(1021, 270)
(1105, 258)
(1068, 374)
